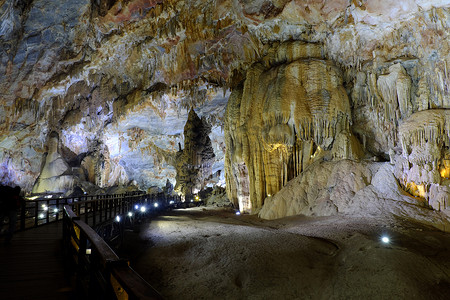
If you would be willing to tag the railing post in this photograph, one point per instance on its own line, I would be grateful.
(82, 263)
(105, 208)
(36, 214)
(109, 208)
(22, 215)
(57, 207)
(47, 215)
(94, 212)
(86, 215)
(100, 204)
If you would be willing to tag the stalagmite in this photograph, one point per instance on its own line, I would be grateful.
(56, 175)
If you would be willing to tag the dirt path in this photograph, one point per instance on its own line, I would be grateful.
(214, 254)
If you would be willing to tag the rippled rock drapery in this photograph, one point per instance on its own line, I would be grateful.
(290, 108)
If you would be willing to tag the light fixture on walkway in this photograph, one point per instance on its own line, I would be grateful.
(385, 239)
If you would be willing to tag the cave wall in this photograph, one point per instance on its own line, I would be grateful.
(116, 79)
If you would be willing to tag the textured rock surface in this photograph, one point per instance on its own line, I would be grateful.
(56, 175)
(194, 162)
(281, 119)
(347, 187)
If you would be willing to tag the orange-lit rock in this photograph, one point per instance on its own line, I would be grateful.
(277, 122)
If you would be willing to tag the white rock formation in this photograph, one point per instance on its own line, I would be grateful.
(56, 175)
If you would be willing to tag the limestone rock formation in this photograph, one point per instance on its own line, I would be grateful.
(194, 162)
(348, 187)
(423, 168)
(285, 114)
(56, 175)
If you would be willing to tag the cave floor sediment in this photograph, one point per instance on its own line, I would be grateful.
(204, 253)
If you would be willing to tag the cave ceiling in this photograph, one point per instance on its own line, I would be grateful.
(116, 79)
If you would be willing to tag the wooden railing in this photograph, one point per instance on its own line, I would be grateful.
(100, 273)
(34, 213)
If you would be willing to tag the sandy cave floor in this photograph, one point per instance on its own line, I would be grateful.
(205, 253)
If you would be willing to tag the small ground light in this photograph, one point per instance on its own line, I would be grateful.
(136, 206)
(238, 213)
(55, 210)
(45, 207)
(171, 202)
(41, 216)
(130, 214)
(385, 239)
(192, 200)
(156, 205)
(143, 209)
(117, 218)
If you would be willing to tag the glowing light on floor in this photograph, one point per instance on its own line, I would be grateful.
(156, 205)
(385, 239)
(55, 210)
(130, 214)
(41, 216)
(238, 213)
(136, 206)
(143, 209)
(117, 218)
(171, 202)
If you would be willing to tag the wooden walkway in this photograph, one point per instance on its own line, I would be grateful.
(31, 266)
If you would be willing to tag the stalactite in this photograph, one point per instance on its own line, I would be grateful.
(274, 112)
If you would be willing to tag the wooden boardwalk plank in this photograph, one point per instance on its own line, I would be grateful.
(31, 266)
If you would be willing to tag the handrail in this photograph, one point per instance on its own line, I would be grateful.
(113, 277)
(35, 213)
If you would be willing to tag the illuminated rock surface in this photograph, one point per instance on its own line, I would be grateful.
(56, 175)
(287, 87)
(280, 120)
(194, 162)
